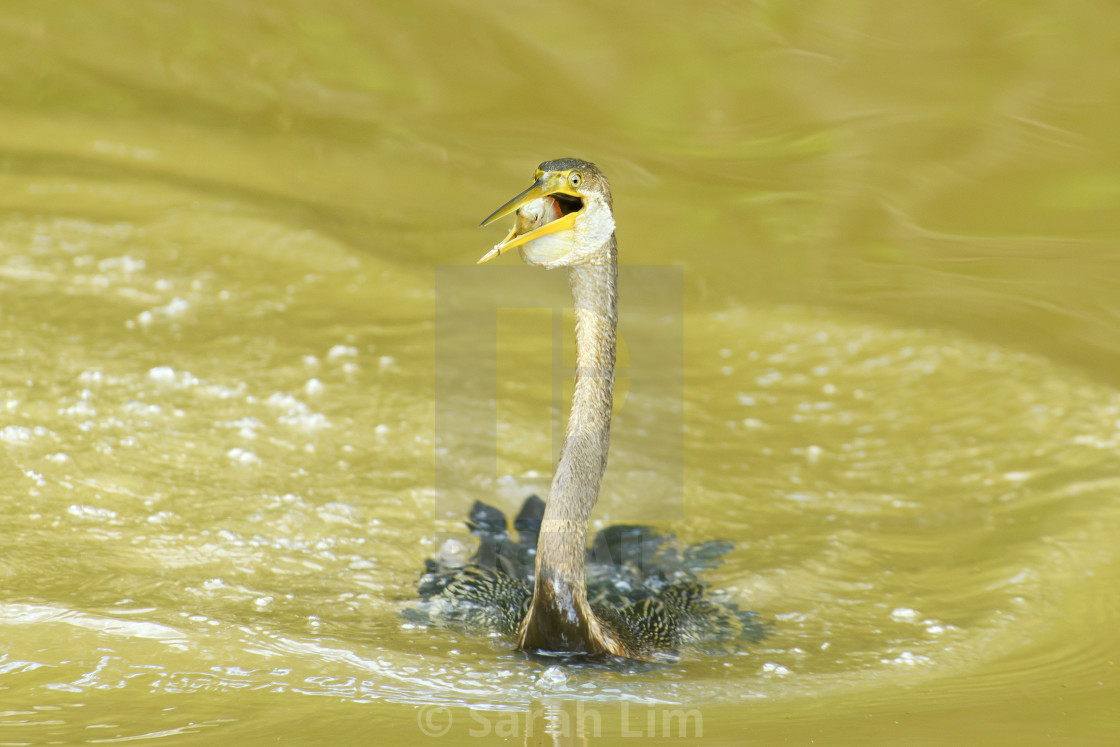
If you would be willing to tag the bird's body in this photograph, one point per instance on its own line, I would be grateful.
(637, 582)
(566, 220)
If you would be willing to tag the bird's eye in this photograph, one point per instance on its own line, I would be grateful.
(574, 180)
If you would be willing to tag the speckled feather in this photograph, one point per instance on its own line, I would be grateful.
(638, 585)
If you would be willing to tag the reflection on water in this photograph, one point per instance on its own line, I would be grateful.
(217, 234)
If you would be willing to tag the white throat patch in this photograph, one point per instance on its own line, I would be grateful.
(582, 245)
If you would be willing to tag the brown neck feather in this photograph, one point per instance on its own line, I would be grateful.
(560, 618)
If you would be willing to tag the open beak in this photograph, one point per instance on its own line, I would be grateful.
(551, 183)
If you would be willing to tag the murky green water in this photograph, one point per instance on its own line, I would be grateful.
(223, 229)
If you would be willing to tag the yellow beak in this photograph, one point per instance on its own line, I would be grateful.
(554, 182)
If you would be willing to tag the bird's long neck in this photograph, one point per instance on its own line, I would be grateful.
(560, 618)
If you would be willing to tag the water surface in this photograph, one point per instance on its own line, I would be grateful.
(887, 239)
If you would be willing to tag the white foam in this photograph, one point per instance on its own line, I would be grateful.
(908, 659)
(243, 457)
(91, 513)
(904, 613)
(142, 408)
(15, 434)
(162, 374)
(177, 307)
(167, 375)
(775, 669)
(80, 409)
(295, 413)
(124, 264)
(341, 351)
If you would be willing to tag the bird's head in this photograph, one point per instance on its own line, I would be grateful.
(563, 219)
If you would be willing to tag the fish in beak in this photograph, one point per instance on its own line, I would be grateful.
(550, 205)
